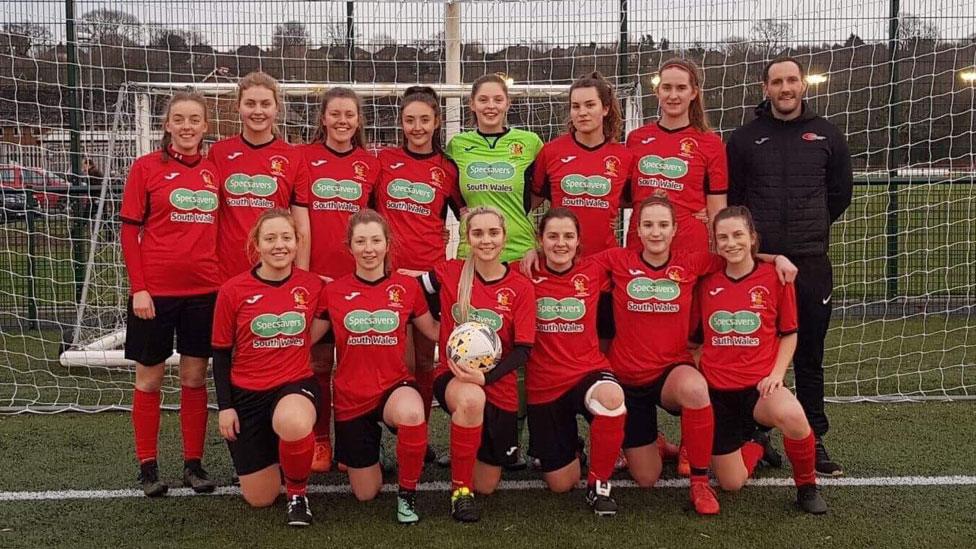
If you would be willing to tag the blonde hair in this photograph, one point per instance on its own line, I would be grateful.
(253, 237)
(259, 79)
(466, 282)
(179, 97)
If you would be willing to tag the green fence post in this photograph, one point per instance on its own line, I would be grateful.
(891, 220)
(30, 212)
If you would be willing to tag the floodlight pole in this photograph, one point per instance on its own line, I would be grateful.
(891, 219)
(74, 120)
(350, 41)
(452, 58)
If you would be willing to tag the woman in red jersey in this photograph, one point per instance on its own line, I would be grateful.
(483, 407)
(750, 337)
(418, 184)
(169, 243)
(567, 375)
(257, 170)
(265, 390)
(369, 311)
(343, 176)
(652, 294)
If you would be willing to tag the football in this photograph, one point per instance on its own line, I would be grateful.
(474, 345)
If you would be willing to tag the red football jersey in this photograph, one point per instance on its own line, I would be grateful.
(413, 195)
(176, 205)
(369, 320)
(587, 180)
(267, 324)
(687, 165)
(506, 304)
(566, 343)
(340, 185)
(743, 321)
(253, 179)
(652, 308)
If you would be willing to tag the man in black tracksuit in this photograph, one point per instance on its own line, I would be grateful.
(792, 169)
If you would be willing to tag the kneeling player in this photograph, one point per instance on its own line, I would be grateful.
(750, 337)
(567, 375)
(369, 311)
(265, 389)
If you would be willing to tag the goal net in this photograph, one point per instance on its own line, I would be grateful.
(90, 85)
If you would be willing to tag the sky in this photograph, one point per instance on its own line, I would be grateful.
(230, 23)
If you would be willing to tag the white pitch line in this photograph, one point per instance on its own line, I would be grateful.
(443, 486)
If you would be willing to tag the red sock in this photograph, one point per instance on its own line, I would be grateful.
(323, 421)
(465, 442)
(697, 432)
(296, 463)
(802, 454)
(145, 424)
(752, 452)
(410, 449)
(193, 421)
(606, 436)
(425, 385)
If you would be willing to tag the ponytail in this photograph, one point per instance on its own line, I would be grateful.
(466, 282)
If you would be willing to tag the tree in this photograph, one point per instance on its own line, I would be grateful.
(19, 39)
(771, 34)
(736, 46)
(169, 39)
(853, 41)
(111, 27)
(289, 34)
(913, 27)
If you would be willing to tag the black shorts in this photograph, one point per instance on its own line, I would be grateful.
(553, 437)
(357, 440)
(150, 342)
(734, 423)
(640, 427)
(256, 446)
(499, 429)
(606, 328)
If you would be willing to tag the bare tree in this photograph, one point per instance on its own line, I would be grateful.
(111, 27)
(289, 33)
(334, 34)
(175, 39)
(20, 39)
(736, 46)
(771, 34)
(913, 27)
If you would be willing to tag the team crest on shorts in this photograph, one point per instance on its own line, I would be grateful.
(394, 295)
(516, 149)
(278, 164)
(300, 295)
(611, 165)
(758, 296)
(208, 179)
(688, 146)
(360, 169)
(581, 284)
(675, 273)
(505, 297)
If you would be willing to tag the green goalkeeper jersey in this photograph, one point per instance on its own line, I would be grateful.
(495, 170)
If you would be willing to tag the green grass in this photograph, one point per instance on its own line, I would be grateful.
(95, 452)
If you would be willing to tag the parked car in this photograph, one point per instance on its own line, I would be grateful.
(50, 192)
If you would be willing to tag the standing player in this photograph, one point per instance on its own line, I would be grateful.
(567, 375)
(169, 243)
(679, 157)
(750, 336)
(483, 407)
(369, 312)
(652, 294)
(417, 186)
(257, 171)
(342, 180)
(495, 164)
(792, 169)
(265, 390)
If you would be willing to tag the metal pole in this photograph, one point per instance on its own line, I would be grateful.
(452, 56)
(894, 119)
(350, 42)
(74, 118)
(623, 57)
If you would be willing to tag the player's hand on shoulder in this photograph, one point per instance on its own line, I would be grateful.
(142, 305)
(529, 262)
(785, 269)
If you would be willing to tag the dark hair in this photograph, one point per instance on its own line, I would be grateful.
(369, 215)
(321, 134)
(613, 120)
(743, 213)
(497, 78)
(696, 111)
(655, 200)
(177, 97)
(427, 96)
(782, 59)
(560, 212)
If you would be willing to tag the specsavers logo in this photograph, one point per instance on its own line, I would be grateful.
(576, 185)
(420, 193)
(570, 308)
(653, 164)
(499, 171)
(485, 316)
(345, 189)
(383, 321)
(257, 185)
(271, 325)
(185, 199)
(642, 289)
(741, 322)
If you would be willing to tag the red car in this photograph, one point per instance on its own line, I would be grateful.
(50, 191)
